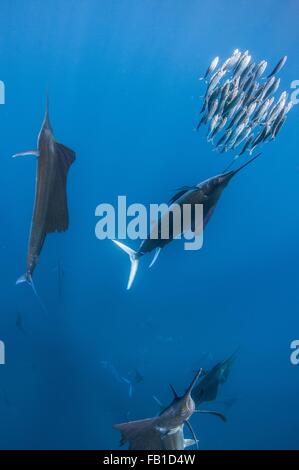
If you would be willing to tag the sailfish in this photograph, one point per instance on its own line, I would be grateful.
(207, 389)
(166, 431)
(50, 213)
(206, 193)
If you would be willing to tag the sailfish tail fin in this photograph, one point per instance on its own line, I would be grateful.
(28, 279)
(134, 258)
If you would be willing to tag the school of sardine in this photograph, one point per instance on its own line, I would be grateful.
(240, 105)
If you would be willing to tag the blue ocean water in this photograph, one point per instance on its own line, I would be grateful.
(122, 78)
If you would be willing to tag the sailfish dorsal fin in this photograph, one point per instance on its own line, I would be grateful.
(57, 218)
(180, 192)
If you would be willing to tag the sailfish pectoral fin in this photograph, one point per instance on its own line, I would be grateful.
(31, 153)
(212, 412)
(192, 432)
(155, 257)
(57, 218)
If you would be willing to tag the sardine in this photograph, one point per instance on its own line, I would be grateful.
(260, 69)
(272, 89)
(247, 144)
(213, 110)
(242, 65)
(211, 68)
(279, 66)
(215, 80)
(279, 125)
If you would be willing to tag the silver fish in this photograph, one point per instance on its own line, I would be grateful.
(202, 121)
(243, 63)
(244, 118)
(261, 67)
(224, 91)
(226, 64)
(222, 104)
(250, 95)
(278, 118)
(246, 73)
(241, 58)
(279, 125)
(214, 95)
(213, 110)
(247, 144)
(234, 136)
(211, 68)
(215, 79)
(234, 88)
(209, 98)
(251, 108)
(260, 137)
(229, 114)
(243, 135)
(266, 87)
(224, 139)
(281, 117)
(276, 110)
(261, 110)
(288, 107)
(212, 126)
(248, 82)
(267, 132)
(279, 66)
(240, 101)
(222, 123)
(238, 130)
(272, 89)
(239, 114)
(284, 96)
(231, 61)
(264, 117)
(234, 101)
(224, 95)
(243, 121)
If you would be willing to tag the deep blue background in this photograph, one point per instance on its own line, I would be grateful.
(122, 81)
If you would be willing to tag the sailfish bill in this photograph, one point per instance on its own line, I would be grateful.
(50, 213)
